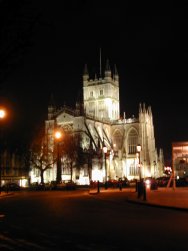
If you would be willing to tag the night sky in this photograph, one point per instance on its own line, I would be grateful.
(45, 44)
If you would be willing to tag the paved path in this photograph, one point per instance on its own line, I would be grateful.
(176, 198)
(162, 197)
(2, 194)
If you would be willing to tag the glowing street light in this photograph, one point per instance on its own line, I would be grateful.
(58, 136)
(2, 116)
(141, 184)
(2, 113)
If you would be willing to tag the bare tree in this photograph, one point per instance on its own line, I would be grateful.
(41, 155)
(71, 151)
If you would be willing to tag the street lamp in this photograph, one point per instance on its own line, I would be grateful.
(58, 137)
(2, 116)
(139, 148)
(2, 113)
(154, 163)
(105, 152)
(90, 156)
(141, 187)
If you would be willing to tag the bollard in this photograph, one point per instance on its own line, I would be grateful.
(144, 191)
(98, 186)
(139, 189)
(136, 185)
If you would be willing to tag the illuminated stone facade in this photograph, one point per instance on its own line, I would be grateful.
(98, 121)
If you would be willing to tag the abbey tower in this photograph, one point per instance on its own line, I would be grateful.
(97, 121)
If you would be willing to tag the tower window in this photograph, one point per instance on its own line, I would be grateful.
(101, 92)
(91, 94)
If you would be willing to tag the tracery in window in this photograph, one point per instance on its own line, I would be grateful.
(132, 141)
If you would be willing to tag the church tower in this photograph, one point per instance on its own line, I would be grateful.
(101, 95)
(96, 124)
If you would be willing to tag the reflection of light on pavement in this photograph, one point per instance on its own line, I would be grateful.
(147, 186)
(2, 215)
(148, 183)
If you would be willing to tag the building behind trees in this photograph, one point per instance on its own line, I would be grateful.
(96, 119)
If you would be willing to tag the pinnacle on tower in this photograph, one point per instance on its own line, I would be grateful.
(51, 102)
(51, 107)
(140, 108)
(116, 76)
(107, 68)
(85, 70)
(85, 74)
(107, 73)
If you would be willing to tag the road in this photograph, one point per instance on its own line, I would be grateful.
(76, 220)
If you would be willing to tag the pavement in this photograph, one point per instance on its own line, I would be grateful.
(166, 197)
(3, 194)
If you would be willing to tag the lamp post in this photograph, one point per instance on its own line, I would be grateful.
(142, 186)
(2, 116)
(105, 152)
(58, 137)
(139, 148)
(154, 163)
(90, 156)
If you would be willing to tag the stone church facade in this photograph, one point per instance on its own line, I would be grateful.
(98, 121)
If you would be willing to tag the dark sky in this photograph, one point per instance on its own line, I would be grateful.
(45, 44)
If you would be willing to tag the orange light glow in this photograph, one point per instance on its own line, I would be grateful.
(58, 135)
(2, 113)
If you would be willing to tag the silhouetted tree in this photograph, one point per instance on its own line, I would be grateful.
(41, 155)
(71, 151)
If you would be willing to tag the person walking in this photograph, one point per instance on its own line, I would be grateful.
(120, 185)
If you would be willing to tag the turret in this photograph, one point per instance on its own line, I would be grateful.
(116, 76)
(51, 108)
(85, 75)
(107, 73)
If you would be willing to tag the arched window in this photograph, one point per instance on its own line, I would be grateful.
(133, 171)
(132, 141)
(117, 140)
(91, 94)
(101, 92)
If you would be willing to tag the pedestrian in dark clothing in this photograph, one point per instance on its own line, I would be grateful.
(120, 185)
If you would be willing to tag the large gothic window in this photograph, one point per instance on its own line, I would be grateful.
(133, 171)
(132, 141)
(117, 140)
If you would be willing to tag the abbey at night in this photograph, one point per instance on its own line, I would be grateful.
(102, 130)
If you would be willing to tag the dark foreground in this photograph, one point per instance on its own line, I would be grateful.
(77, 220)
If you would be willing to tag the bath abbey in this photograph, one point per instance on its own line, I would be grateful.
(116, 147)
